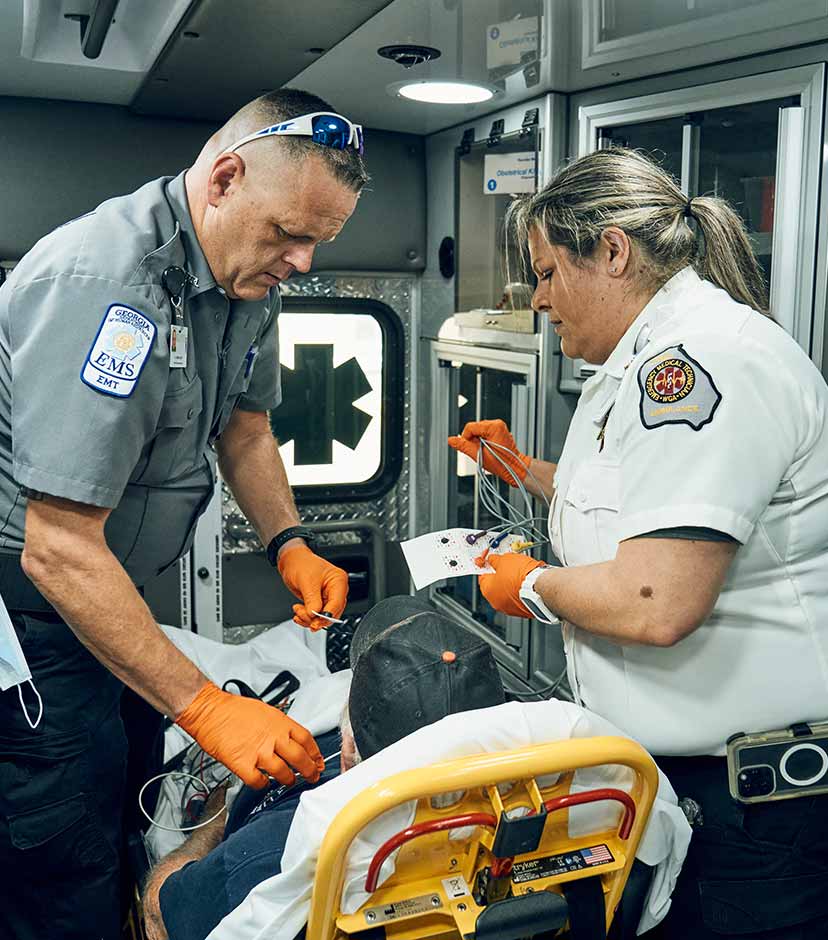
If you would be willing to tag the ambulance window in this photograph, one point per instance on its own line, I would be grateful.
(339, 425)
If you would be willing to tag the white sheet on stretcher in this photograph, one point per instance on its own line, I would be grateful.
(318, 703)
(279, 907)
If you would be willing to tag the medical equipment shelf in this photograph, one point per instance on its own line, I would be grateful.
(470, 380)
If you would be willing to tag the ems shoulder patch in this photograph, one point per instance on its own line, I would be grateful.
(120, 351)
(676, 389)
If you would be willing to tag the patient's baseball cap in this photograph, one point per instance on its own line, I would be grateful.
(413, 666)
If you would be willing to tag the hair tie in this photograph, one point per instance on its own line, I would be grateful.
(688, 209)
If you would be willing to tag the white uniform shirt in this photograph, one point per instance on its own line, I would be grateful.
(717, 418)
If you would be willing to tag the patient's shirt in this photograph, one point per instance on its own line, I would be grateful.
(196, 897)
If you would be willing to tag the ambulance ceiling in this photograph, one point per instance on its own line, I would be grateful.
(491, 42)
(205, 58)
(229, 51)
(181, 58)
(243, 48)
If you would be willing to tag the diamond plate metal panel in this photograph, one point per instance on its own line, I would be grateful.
(391, 511)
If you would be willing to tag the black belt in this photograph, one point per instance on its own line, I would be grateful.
(697, 780)
(18, 592)
(698, 763)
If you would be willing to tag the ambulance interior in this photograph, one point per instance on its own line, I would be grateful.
(411, 323)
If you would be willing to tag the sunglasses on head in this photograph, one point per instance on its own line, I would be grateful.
(327, 130)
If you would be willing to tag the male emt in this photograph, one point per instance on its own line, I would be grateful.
(138, 344)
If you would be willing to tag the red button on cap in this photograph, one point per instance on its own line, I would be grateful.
(449, 657)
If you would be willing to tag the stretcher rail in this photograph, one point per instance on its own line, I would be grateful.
(478, 771)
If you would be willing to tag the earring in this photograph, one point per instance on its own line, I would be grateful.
(612, 270)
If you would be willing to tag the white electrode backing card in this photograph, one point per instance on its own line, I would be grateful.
(447, 554)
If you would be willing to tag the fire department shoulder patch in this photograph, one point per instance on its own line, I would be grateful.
(676, 389)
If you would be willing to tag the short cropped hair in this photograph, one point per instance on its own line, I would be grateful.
(346, 166)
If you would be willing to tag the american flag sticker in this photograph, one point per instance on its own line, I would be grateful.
(597, 855)
(553, 866)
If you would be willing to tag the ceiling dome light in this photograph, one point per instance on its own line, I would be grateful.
(444, 92)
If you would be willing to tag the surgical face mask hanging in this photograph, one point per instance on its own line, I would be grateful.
(14, 670)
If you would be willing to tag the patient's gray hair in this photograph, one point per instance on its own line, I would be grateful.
(346, 732)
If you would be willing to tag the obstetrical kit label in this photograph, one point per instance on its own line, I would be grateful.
(509, 173)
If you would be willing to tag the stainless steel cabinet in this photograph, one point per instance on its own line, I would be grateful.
(730, 152)
(758, 143)
(471, 383)
(485, 372)
(489, 173)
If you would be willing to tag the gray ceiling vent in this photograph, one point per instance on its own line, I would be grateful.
(408, 55)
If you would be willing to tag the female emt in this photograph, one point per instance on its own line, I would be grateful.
(689, 510)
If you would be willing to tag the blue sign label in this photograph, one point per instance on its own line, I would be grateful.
(494, 32)
(491, 185)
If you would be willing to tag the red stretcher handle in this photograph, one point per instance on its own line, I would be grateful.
(595, 796)
(490, 822)
(420, 829)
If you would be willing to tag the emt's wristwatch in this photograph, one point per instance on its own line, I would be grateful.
(292, 532)
(532, 600)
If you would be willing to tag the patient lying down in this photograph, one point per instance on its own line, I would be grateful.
(411, 667)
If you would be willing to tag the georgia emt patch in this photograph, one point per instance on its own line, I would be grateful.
(119, 353)
(676, 389)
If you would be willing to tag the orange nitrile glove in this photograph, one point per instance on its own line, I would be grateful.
(502, 589)
(321, 586)
(250, 738)
(497, 432)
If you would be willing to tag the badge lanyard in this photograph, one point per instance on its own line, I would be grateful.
(175, 280)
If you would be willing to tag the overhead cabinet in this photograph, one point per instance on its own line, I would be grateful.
(616, 40)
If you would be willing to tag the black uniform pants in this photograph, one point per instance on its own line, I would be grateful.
(753, 870)
(60, 792)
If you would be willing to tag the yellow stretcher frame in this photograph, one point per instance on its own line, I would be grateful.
(466, 774)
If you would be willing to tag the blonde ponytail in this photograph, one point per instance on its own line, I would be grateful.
(624, 188)
(725, 256)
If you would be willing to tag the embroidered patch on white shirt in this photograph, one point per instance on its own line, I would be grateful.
(120, 351)
(676, 389)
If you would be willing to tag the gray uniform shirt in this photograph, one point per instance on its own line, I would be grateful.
(93, 288)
